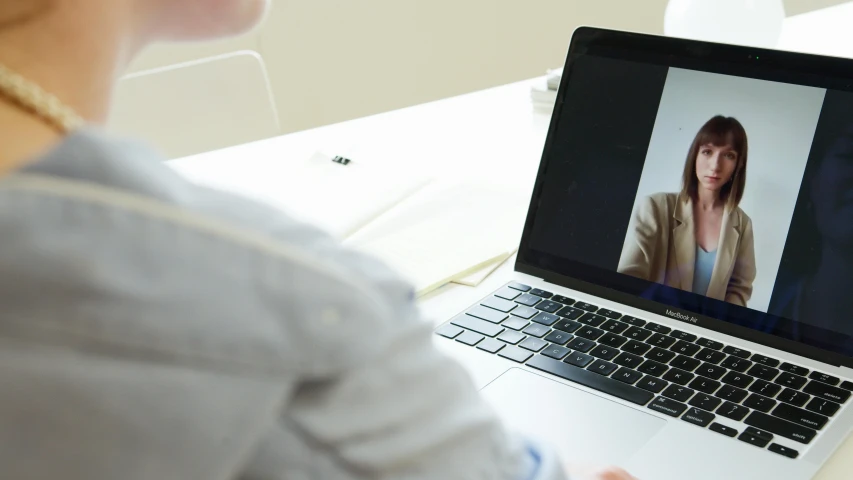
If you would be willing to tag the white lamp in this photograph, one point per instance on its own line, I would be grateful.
(754, 23)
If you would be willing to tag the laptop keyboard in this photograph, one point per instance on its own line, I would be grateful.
(669, 371)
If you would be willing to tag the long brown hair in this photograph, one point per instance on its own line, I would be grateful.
(719, 131)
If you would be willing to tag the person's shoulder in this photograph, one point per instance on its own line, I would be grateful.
(743, 218)
(661, 202)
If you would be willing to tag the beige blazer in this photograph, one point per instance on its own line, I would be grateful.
(661, 247)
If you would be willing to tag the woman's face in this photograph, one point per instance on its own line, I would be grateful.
(199, 19)
(715, 166)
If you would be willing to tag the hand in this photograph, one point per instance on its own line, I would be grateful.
(586, 472)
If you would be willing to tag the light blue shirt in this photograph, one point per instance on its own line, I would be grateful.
(703, 269)
(153, 328)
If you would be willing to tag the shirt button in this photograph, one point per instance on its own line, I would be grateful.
(330, 316)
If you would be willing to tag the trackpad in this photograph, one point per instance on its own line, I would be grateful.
(582, 427)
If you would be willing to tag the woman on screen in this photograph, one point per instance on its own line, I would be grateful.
(699, 239)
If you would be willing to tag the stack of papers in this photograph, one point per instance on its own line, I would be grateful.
(545, 95)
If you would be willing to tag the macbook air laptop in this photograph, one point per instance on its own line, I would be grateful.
(682, 299)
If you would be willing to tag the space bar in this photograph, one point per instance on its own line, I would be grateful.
(591, 380)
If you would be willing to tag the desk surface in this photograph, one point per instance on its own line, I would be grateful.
(493, 134)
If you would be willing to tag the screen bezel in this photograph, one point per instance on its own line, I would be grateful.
(780, 66)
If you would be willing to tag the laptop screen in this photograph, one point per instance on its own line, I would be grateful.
(712, 184)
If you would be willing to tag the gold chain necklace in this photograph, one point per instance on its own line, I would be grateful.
(32, 98)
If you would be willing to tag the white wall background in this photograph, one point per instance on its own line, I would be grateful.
(780, 121)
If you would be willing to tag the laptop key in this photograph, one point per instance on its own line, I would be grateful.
(636, 347)
(469, 338)
(527, 299)
(609, 313)
(556, 352)
(449, 331)
(699, 417)
(685, 363)
(569, 326)
(604, 352)
(711, 371)
(661, 341)
(602, 368)
(710, 356)
(545, 318)
(740, 380)
(515, 354)
(652, 384)
(562, 299)
(533, 344)
(679, 393)
(795, 398)
(633, 321)
(586, 306)
(591, 380)
(687, 337)
(685, 348)
(760, 403)
(765, 388)
(763, 372)
(524, 312)
(498, 304)
(733, 411)
(592, 319)
(668, 406)
(548, 306)
(738, 352)
(589, 333)
(537, 330)
(626, 375)
(660, 355)
(782, 450)
(637, 333)
(708, 343)
(847, 385)
(822, 377)
(753, 439)
(507, 293)
(800, 416)
(628, 360)
(491, 345)
(518, 286)
(581, 344)
(614, 326)
(480, 326)
(823, 407)
(579, 359)
(516, 323)
(570, 312)
(559, 337)
(736, 363)
(705, 402)
(790, 380)
(719, 428)
(705, 385)
(795, 369)
(732, 394)
(826, 392)
(657, 328)
(612, 340)
(766, 361)
(541, 293)
(486, 314)
(780, 427)
(680, 377)
(511, 337)
(651, 367)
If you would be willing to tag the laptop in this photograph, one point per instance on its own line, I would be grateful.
(682, 299)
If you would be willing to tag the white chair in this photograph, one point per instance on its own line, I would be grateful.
(197, 106)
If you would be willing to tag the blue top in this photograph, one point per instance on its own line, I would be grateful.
(703, 269)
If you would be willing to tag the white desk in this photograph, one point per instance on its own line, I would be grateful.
(826, 31)
(494, 133)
